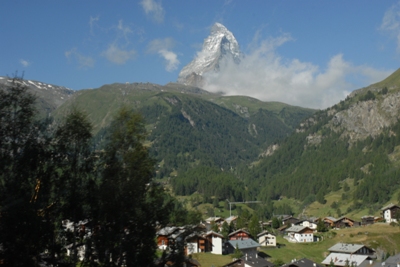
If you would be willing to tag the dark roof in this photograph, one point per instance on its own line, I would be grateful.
(347, 248)
(392, 261)
(390, 206)
(302, 263)
(297, 228)
(254, 260)
(243, 244)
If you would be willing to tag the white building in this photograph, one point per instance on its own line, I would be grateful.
(300, 234)
(266, 239)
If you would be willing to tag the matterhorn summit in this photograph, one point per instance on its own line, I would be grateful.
(220, 45)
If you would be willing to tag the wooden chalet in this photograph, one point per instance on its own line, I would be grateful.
(345, 222)
(195, 244)
(367, 219)
(289, 220)
(240, 234)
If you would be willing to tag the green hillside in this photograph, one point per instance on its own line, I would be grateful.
(188, 126)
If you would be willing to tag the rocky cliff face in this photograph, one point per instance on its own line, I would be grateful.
(219, 45)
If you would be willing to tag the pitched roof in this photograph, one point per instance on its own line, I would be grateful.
(265, 232)
(333, 219)
(214, 234)
(238, 231)
(243, 244)
(391, 205)
(253, 260)
(302, 263)
(297, 228)
(346, 248)
(392, 261)
(341, 259)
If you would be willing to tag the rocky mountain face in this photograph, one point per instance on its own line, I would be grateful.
(366, 112)
(219, 45)
(49, 96)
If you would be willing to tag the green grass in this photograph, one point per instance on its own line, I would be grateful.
(209, 259)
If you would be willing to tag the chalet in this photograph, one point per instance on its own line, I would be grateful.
(302, 263)
(195, 244)
(343, 254)
(345, 222)
(329, 221)
(248, 246)
(390, 213)
(250, 260)
(166, 234)
(342, 259)
(289, 220)
(358, 249)
(231, 219)
(266, 239)
(217, 220)
(240, 234)
(214, 242)
(299, 233)
(367, 219)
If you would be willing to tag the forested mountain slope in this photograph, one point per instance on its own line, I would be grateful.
(357, 139)
(189, 126)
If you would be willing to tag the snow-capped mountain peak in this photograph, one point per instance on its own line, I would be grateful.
(219, 45)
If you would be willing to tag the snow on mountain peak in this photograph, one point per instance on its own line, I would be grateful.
(219, 45)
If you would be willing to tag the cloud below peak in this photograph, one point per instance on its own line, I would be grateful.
(265, 75)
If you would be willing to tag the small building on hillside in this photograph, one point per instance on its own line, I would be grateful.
(214, 242)
(358, 249)
(240, 234)
(367, 219)
(300, 234)
(166, 234)
(195, 244)
(391, 213)
(343, 254)
(345, 222)
(289, 220)
(248, 246)
(266, 239)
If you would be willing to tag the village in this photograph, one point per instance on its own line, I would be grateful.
(247, 250)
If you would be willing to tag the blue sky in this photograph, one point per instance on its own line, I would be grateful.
(307, 53)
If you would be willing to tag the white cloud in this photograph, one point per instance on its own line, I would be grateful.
(25, 63)
(391, 23)
(83, 61)
(124, 30)
(117, 55)
(265, 75)
(163, 48)
(92, 23)
(171, 59)
(153, 9)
